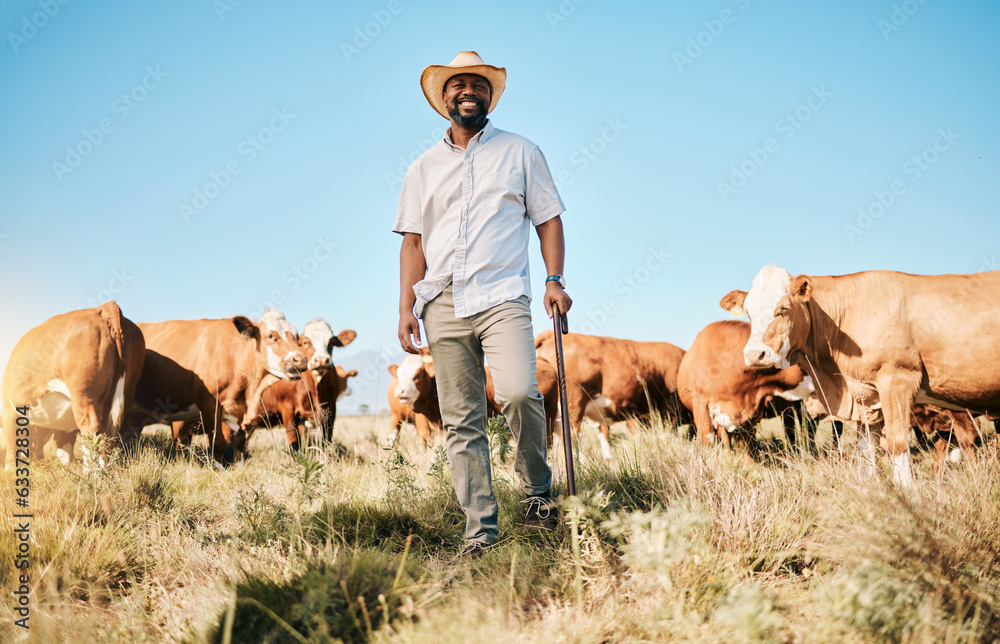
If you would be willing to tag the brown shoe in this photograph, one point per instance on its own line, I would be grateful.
(472, 550)
(542, 513)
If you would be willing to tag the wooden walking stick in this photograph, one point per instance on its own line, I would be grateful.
(561, 326)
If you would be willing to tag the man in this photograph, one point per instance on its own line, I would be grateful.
(464, 214)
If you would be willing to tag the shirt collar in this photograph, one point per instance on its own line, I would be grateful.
(482, 135)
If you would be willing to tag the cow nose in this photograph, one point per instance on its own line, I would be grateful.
(320, 362)
(754, 357)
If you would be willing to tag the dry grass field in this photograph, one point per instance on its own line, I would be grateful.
(669, 542)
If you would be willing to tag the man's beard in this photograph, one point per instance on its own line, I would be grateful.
(476, 119)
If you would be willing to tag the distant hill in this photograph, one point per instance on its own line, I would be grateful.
(368, 387)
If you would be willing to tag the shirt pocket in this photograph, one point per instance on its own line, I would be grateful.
(503, 190)
(504, 184)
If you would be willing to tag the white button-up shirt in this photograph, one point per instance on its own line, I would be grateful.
(472, 208)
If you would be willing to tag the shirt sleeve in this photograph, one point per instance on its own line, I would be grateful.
(541, 198)
(409, 216)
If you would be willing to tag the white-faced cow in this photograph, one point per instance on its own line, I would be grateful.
(214, 370)
(74, 372)
(880, 338)
(620, 377)
(413, 395)
(726, 397)
(313, 398)
(317, 342)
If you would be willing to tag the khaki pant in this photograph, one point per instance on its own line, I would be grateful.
(503, 334)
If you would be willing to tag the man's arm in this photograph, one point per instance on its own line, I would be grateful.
(550, 235)
(411, 270)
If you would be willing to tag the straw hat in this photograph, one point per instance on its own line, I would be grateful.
(434, 77)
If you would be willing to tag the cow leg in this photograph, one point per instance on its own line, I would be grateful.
(64, 443)
(941, 448)
(90, 424)
(219, 432)
(228, 429)
(703, 423)
(837, 431)
(182, 432)
(897, 406)
(423, 428)
(396, 423)
(604, 436)
(788, 422)
(327, 421)
(291, 431)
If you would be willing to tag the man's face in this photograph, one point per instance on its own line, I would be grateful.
(467, 98)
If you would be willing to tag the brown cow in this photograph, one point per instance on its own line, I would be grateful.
(726, 397)
(74, 372)
(880, 339)
(955, 431)
(317, 342)
(413, 396)
(290, 403)
(620, 377)
(314, 397)
(215, 370)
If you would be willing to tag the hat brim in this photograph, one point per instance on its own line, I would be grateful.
(434, 77)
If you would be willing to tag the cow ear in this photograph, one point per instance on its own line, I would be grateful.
(429, 368)
(246, 328)
(392, 369)
(352, 373)
(342, 339)
(733, 302)
(800, 288)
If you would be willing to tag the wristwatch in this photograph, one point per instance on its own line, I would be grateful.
(556, 278)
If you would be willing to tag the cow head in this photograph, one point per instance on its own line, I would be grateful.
(317, 342)
(280, 342)
(778, 317)
(415, 374)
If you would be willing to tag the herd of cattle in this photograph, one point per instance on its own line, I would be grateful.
(885, 351)
(95, 372)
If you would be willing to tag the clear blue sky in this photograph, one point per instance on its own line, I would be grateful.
(727, 135)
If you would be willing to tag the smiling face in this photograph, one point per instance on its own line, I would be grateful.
(467, 98)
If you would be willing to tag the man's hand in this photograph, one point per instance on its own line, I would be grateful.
(554, 294)
(409, 333)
